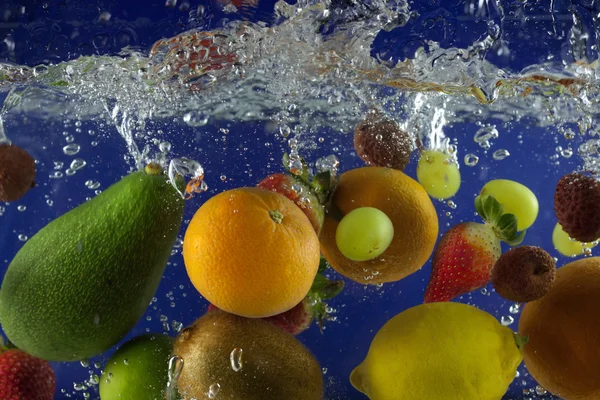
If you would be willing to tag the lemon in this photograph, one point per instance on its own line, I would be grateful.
(439, 351)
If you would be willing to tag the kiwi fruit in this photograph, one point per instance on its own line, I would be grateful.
(230, 357)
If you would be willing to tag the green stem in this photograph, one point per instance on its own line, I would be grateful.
(520, 341)
(276, 216)
(153, 169)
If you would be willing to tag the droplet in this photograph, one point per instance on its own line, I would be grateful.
(71, 149)
(485, 134)
(213, 390)
(104, 16)
(236, 359)
(451, 204)
(22, 208)
(84, 363)
(50, 202)
(500, 154)
(126, 361)
(566, 153)
(164, 147)
(92, 184)
(175, 368)
(195, 119)
(506, 320)
(471, 160)
(69, 139)
(515, 308)
(77, 164)
(23, 238)
(540, 391)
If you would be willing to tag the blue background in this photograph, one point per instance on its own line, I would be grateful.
(44, 33)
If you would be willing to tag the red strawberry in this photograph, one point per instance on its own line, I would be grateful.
(464, 257)
(310, 196)
(24, 377)
(299, 318)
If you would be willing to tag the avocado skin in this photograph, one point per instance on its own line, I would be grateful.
(79, 285)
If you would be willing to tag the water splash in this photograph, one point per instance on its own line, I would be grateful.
(175, 368)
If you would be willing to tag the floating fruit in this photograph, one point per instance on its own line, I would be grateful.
(438, 174)
(81, 283)
(577, 206)
(24, 377)
(466, 254)
(406, 204)
(17, 172)
(449, 351)
(364, 234)
(563, 353)
(516, 199)
(261, 262)
(241, 358)
(567, 246)
(380, 142)
(523, 274)
(138, 370)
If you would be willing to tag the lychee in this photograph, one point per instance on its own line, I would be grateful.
(577, 206)
(380, 142)
(524, 274)
(17, 172)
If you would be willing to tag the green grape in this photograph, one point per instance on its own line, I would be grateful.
(567, 246)
(438, 174)
(516, 198)
(364, 234)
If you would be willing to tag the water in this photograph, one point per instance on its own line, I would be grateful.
(510, 89)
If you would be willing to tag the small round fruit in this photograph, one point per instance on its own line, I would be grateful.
(406, 204)
(380, 142)
(440, 350)
(17, 172)
(244, 358)
(251, 252)
(577, 206)
(138, 370)
(438, 174)
(364, 234)
(563, 352)
(516, 198)
(523, 274)
(567, 246)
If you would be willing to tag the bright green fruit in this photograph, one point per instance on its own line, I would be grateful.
(438, 174)
(516, 198)
(83, 281)
(364, 233)
(138, 370)
(567, 246)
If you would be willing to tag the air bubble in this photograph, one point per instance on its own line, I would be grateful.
(195, 119)
(471, 160)
(515, 308)
(213, 390)
(236, 359)
(77, 164)
(507, 320)
(22, 208)
(500, 154)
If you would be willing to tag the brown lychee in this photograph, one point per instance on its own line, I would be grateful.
(577, 206)
(524, 274)
(380, 142)
(17, 172)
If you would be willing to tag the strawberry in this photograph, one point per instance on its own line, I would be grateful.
(296, 185)
(464, 257)
(299, 318)
(24, 377)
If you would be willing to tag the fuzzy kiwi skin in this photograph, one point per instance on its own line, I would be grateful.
(275, 365)
(17, 172)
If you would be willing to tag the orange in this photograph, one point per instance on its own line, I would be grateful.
(563, 352)
(251, 252)
(407, 205)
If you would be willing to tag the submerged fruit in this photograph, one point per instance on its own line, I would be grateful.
(261, 262)
(406, 204)
(24, 377)
(577, 206)
(380, 142)
(523, 274)
(241, 358)
(138, 370)
(563, 353)
(17, 172)
(516, 198)
(567, 246)
(364, 234)
(449, 351)
(438, 174)
(82, 282)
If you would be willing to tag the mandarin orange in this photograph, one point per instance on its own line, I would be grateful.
(563, 352)
(407, 205)
(251, 252)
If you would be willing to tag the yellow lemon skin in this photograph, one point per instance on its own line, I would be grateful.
(439, 351)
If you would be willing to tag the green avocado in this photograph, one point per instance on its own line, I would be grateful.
(138, 370)
(83, 281)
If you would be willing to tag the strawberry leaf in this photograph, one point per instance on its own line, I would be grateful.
(322, 184)
(323, 265)
(489, 208)
(520, 341)
(507, 224)
(332, 289)
(517, 240)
